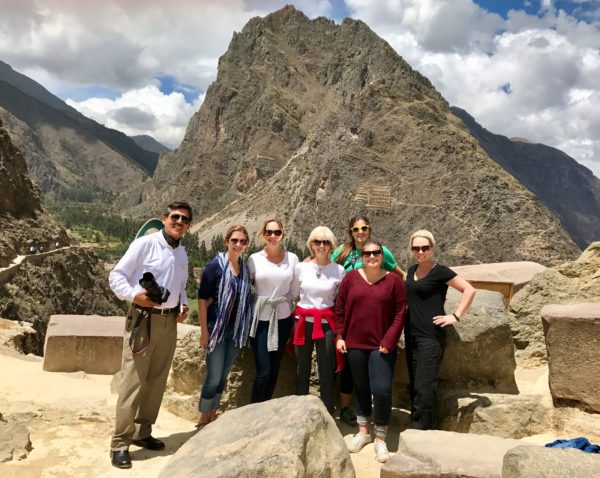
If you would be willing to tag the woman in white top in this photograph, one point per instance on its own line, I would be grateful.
(272, 270)
(316, 282)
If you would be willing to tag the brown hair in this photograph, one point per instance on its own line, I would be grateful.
(350, 245)
(279, 223)
(236, 228)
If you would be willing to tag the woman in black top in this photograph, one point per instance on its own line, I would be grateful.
(426, 286)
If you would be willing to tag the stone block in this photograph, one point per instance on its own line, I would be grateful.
(542, 462)
(447, 454)
(88, 343)
(572, 334)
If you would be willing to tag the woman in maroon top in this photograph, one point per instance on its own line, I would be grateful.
(369, 316)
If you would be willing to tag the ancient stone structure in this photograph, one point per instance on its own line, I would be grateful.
(572, 334)
(541, 462)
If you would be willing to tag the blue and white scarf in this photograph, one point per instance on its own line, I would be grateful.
(226, 301)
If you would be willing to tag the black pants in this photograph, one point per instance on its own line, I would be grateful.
(267, 363)
(325, 362)
(372, 372)
(423, 356)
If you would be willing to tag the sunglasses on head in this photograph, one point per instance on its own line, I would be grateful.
(420, 248)
(361, 228)
(242, 242)
(318, 242)
(276, 232)
(376, 253)
(177, 217)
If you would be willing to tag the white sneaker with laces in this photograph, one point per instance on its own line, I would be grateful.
(358, 441)
(381, 452)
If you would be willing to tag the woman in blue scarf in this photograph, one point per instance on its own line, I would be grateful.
(225, 311)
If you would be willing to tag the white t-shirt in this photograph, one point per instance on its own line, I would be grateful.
(273, 280)
(316, 292)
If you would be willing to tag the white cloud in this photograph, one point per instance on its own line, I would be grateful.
(143, 111)
(549, 65)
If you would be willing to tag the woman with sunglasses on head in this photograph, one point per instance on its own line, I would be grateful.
(369, 316)
(427, 284)
(272, 271)
(225, 312)
(315, 283)
(349, 256)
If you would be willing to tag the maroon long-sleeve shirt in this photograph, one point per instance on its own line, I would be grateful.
(370, 315)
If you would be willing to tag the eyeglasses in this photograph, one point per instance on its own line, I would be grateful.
(242, 242)
(276, 232)
(356, 229)
(318, 242)
(375, 253)
(420, 248)
(177, 217)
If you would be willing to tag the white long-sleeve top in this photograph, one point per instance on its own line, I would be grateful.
(151, 253)
(273, 280)
(316, 292)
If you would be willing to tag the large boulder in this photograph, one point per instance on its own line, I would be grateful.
(287, 437)
(508, 416)
(541, 462)
(569, 283)
(424, 454)
(572, 334)
(189, 371)
(479, 353)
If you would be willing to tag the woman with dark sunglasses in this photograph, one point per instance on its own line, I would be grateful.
(272, 271)
(369, 316)
(224, 311)
(425, 334)
(315, 283)
(349, 256)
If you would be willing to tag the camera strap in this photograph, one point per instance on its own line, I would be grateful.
(140, 338)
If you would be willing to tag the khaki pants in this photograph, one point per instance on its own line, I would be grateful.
(143, 380)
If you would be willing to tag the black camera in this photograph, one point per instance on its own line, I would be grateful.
(155, 292)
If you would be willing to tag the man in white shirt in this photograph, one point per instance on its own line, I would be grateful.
(144, 372)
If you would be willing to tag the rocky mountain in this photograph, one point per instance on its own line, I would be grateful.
(315, 122)
(69, 156)
(65, 278)
(149, 144)
(568, 189)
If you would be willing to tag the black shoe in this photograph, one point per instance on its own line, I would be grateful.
(120, 459)
(150, 443)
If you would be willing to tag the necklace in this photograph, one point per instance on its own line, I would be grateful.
(319, 269)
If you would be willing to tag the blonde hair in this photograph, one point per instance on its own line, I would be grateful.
(425, 234)
(321, 233)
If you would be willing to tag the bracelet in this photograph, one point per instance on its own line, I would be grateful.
(456, 317)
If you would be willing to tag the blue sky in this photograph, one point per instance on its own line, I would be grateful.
(521, 68)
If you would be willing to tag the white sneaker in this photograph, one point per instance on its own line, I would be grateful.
(381, 452)
(358, 441)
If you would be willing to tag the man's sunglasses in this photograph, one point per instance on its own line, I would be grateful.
(276, 232)
(177, 217)
(242, 242)
(356, 229)
(375, 253)
(420, 248)
(318, 242)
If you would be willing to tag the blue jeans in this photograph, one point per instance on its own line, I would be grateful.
(267, 363)
(372, 373)
(218, 364)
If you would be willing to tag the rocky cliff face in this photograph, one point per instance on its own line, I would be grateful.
(316, 122)
(568, 189)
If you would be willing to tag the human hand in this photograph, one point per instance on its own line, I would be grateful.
(203, 340)
(182, 314)
(341, 346)
(142, 299)
(384, 350)
(444, 320)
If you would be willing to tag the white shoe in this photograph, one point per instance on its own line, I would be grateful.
(358, 441)
(381, 452)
